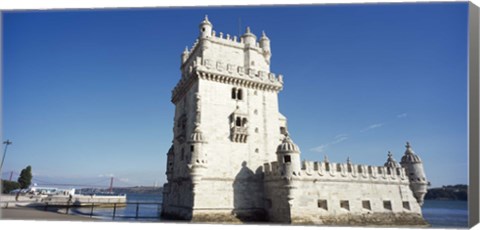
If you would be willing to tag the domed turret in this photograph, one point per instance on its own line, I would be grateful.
(414, 168)
(198, 161)
(410, 155)
(196, 136)
(170, 159)
(265, 45)
(205, 28)
(391, 163)
(288, 156)
(196, 140)
(185, 55)
(249, 38)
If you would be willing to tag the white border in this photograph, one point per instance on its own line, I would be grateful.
(7, 5)
(89, 4)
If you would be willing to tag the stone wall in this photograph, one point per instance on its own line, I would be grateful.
(339, 193)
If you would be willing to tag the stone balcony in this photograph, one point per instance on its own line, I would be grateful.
(239, 134)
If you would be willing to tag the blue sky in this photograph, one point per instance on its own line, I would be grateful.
(86, 94)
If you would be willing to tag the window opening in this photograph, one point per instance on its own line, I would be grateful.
(322, 204)
(345, 204)
(387, 205)
(366, 205)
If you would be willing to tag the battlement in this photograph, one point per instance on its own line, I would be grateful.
(228, 40)
(228, 73)
(340, 171)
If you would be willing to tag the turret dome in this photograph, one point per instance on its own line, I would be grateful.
(196, 135)
(287, 146)
(205, 28)
(249, 38)
(264, 36)
(170, 151)
(391, 163)
(249, 33)
(205, 21)
(410, 156)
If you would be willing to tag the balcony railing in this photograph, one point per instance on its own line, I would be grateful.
(239, 134)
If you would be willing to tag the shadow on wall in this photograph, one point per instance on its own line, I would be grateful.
(248, 195)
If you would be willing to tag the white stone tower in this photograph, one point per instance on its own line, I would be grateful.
(414, 168)
(226, 126)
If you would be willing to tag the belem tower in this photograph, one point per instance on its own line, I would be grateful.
(233, 160)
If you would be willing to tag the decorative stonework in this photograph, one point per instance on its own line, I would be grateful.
(252, 78)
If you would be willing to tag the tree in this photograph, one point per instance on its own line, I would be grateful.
(25, 178)
(8, 186)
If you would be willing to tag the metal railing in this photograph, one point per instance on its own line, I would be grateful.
(93, 205)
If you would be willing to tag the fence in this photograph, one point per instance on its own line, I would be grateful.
(102, 206)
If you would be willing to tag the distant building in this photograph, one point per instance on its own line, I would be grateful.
(232, 157)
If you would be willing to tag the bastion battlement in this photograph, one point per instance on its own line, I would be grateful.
(339, 171)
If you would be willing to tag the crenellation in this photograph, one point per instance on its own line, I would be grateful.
(237, 73)
(343, 171)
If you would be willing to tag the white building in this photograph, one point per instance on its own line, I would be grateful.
(232, 159)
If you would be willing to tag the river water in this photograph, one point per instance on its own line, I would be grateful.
(439, 213)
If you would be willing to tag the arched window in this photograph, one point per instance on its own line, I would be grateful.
(244, 122)
(234, 93)
(239, 94)
(238, 121)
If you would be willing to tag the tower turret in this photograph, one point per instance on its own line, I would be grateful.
(414, 168)
(198, 161)
(170, 156)
(288, 157)
(185, 55)
(265, 45)
(205, 28)
(249, 38)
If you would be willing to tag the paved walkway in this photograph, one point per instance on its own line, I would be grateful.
(35, 214)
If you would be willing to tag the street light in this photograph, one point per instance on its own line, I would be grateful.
(6, 143)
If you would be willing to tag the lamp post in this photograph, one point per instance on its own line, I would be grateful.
(6, 143)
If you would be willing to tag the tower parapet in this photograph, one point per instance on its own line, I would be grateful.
(414, 169)
(256, 54)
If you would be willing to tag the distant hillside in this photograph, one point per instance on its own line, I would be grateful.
(449, 192)
(125, 190)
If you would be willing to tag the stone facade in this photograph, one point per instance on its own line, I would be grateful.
(232, 159)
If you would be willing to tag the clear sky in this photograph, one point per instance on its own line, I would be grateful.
(86, 94)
